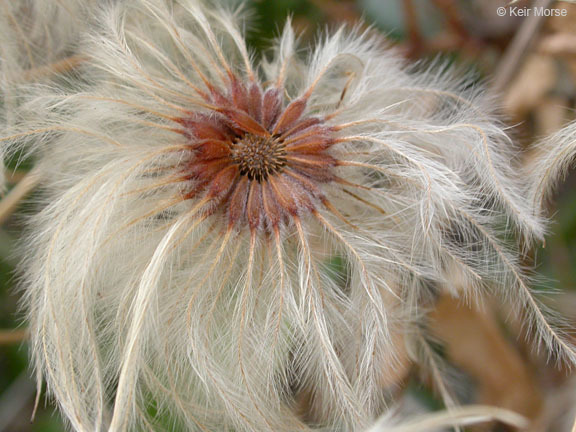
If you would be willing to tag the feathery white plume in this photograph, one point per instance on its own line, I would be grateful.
(37, 42)
(550, 161)
(221, 238)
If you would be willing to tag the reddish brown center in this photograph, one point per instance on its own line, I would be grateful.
(257, 160)
(258, 157)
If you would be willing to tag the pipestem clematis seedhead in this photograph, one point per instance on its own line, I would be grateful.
(246, 246)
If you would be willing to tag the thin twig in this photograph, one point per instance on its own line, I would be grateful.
(13, 198)
(453, 18)
(11, 337)
(415, 40)
(16, 176)
(518, 49)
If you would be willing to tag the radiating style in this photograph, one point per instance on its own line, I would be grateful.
(222, 238)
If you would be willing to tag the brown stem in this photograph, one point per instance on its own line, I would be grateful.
(10, 337)
(518, 49)
(416, 44)
(453, 18)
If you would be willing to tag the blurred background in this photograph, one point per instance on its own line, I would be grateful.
(529, 64)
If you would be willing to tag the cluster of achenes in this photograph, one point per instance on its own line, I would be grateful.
(221, 239)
